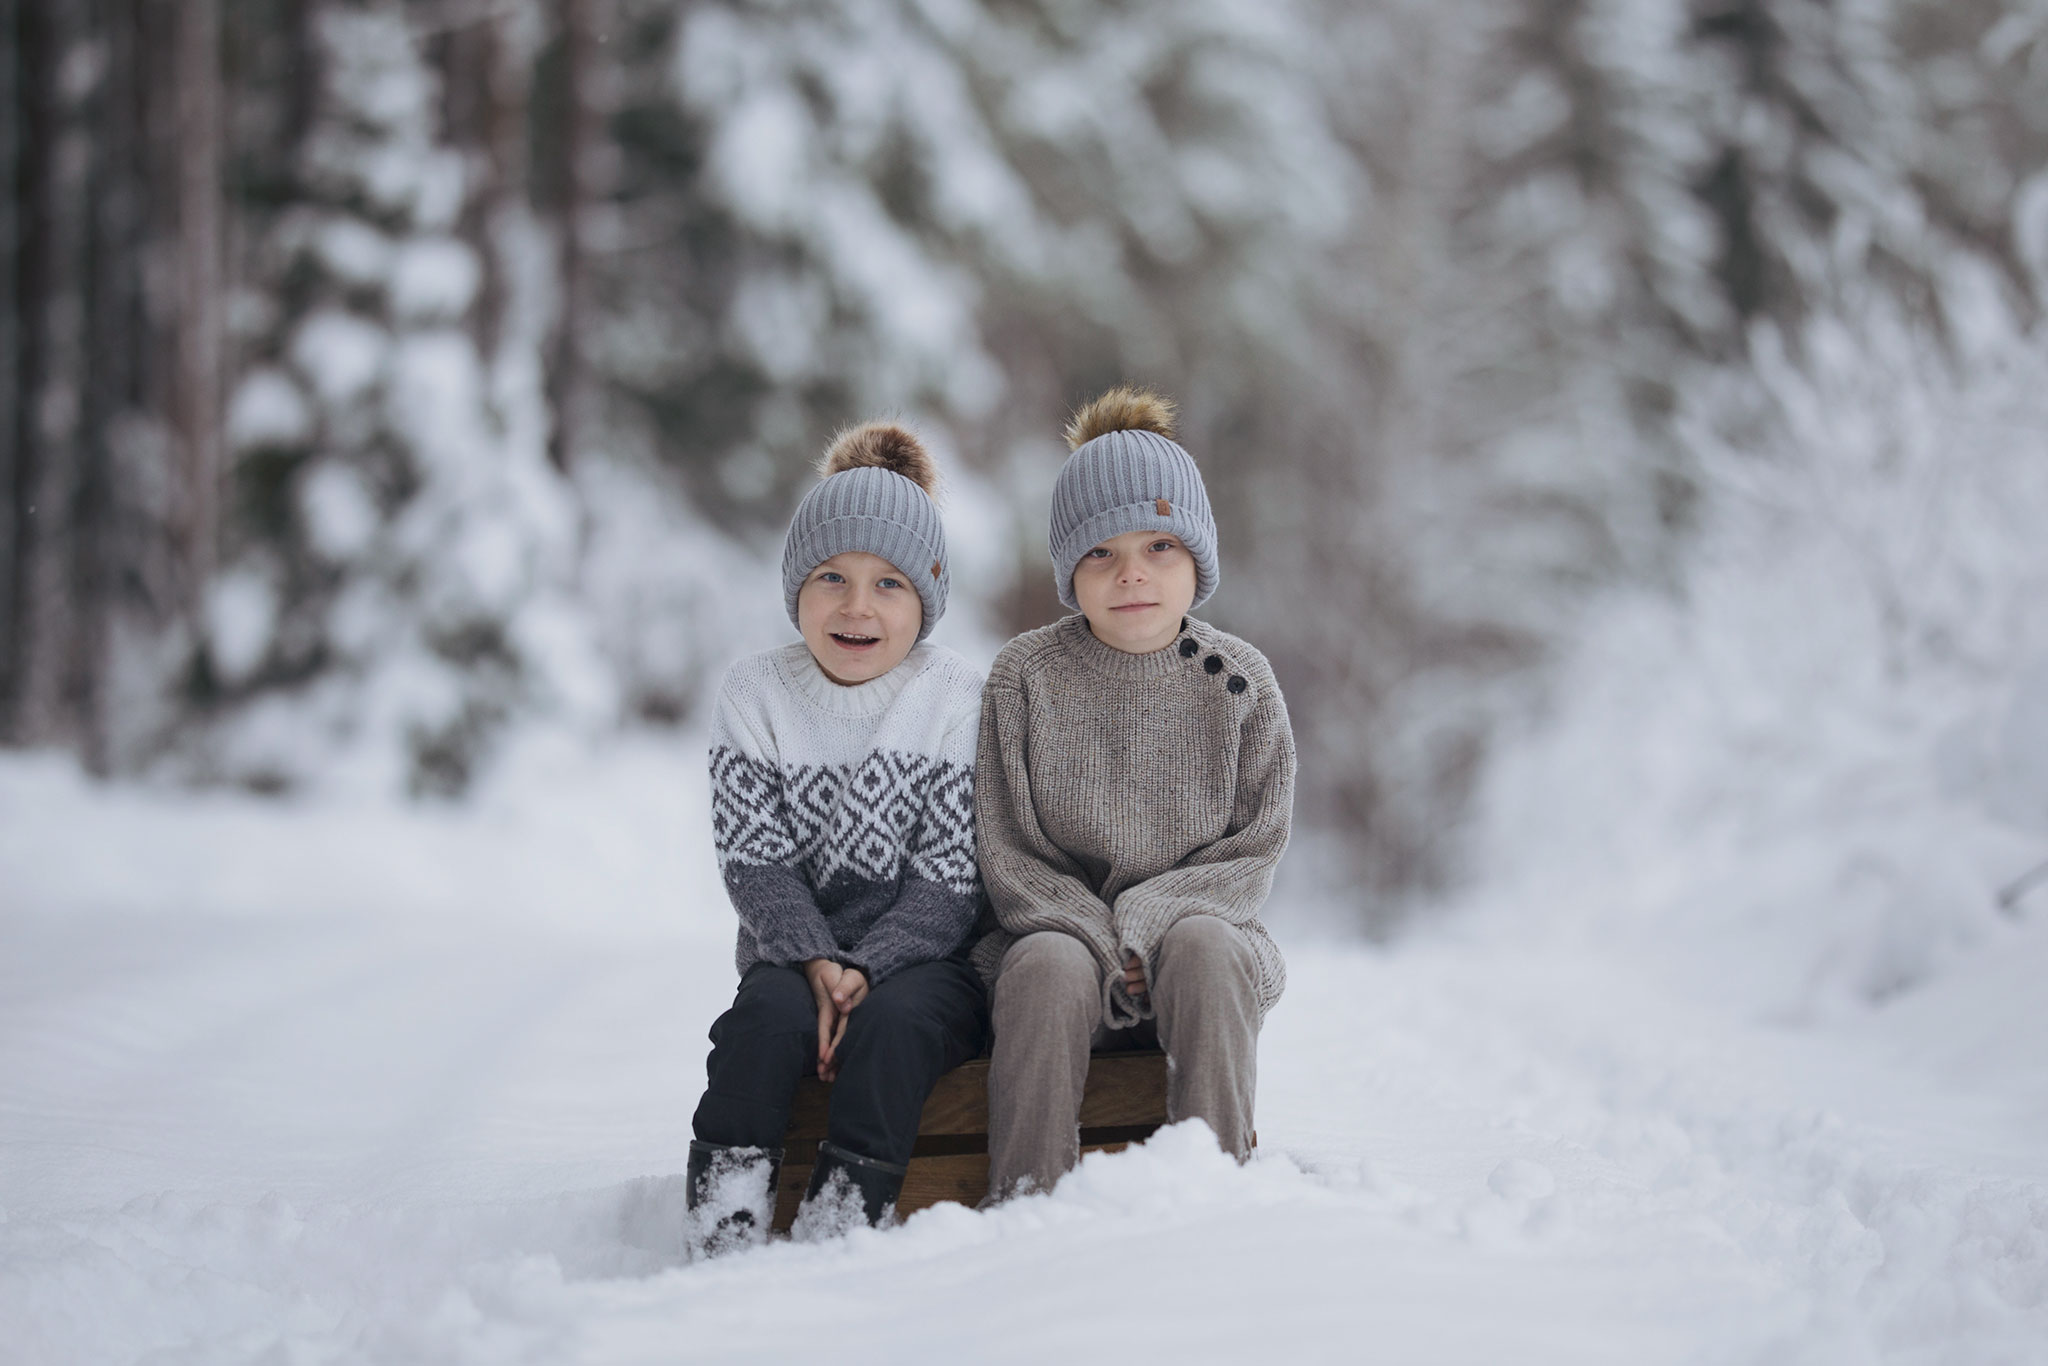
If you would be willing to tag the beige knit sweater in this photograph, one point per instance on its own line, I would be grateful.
(1116, 793)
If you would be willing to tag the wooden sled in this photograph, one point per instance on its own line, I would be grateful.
(1125, 1101)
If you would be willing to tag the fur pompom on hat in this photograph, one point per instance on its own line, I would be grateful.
(881, 445)
(874, 493)
(1127, 473)
(1123, 409)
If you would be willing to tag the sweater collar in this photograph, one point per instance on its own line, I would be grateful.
(1111, 662)
(799, 669)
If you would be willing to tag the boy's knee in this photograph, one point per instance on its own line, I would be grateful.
(1208, 948)
(1048, 970)
(892, 1026)
(771, 1001)
(929, 1000)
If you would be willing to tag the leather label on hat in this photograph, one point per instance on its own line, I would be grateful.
(1164, 508)
(935, 569)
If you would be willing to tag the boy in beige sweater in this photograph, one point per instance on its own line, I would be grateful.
(1135, 790)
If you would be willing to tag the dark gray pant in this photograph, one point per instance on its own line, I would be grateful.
(1048, 1017)
(911, 1030)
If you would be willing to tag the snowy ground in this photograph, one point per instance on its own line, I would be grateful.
(352, 1084)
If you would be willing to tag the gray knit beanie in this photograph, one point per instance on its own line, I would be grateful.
(875, 496)
(1128, 474)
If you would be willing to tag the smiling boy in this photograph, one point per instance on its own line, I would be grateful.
(1134, 794)
(842, 774)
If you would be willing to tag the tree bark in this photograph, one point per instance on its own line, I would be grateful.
(114, 197)
(196, 394)
(565, 369)
(12, 115)
(57, 76)
(485, 115)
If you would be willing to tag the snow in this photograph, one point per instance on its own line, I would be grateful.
(352, 1081)
(340, 516)
(355, 252)
(340, 354)
(779, 318)
(433, 279)
(2007, 759)
(2030, 227)
(268, 410)
(241, 618)
(795, 173)
(574, 681)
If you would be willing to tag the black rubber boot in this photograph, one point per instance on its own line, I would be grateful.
(876, 1184)
(731, 1193)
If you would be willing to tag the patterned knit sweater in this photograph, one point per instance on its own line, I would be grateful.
(844, 816)
(1119, 793)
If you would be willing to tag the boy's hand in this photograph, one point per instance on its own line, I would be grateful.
(1134, 977)
(837, 991)
(851, 991)
(823, 975)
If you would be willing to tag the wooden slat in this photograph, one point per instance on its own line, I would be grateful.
(963, 1178)
(1122, 1088)
(1125, 1088)
(807, 1114)
(789, 1193)
(958, 1104)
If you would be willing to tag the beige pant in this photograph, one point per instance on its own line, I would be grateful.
(1048, 1016)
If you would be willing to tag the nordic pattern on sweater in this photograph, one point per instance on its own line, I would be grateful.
(1118, 793)
(844, 816)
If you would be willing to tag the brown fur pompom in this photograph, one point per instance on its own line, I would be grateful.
(1125, 408)
(886, 446)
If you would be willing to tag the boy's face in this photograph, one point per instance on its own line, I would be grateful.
(859, 616)
(1134, 589)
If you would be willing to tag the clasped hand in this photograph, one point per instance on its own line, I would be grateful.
(837, 990)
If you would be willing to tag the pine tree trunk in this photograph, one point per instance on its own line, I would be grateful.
(56, 156)
(485, 114)
(565, 369)
(115, 216)
(12, 115)
(196, 393)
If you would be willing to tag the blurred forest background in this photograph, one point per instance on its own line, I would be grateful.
(383, 377)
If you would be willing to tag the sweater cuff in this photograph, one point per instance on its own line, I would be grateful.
(929, 921)
(1139, 929)
(793, 946)
(1121, 1010)
(775, 906)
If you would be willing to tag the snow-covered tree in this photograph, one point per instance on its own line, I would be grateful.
(404, 578)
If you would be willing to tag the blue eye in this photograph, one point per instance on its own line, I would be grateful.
(1162, 545)
(1100, 552)
(830, 576)
(888, 583)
